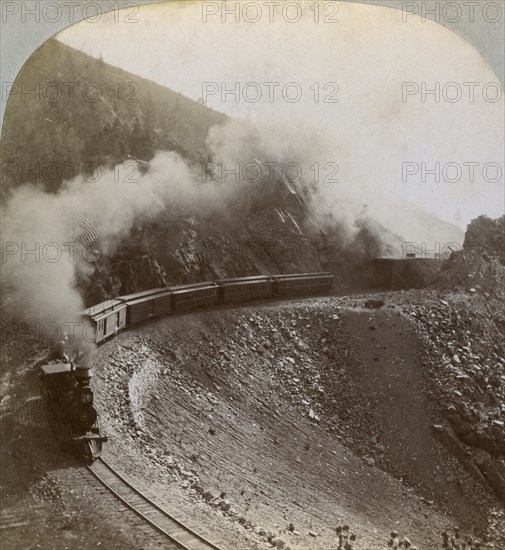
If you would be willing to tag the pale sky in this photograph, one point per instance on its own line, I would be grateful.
(373, 130)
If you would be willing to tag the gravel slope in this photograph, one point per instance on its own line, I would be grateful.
(291, 419)
(273, 425)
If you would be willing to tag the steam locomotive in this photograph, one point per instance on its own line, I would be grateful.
(70, 404)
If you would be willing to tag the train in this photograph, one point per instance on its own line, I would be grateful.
(69, 399)
(66, 384)
(112, 316)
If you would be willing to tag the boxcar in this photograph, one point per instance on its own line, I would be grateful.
(192, 296)
(108, 318)
(146, 305)
(302, 283)
(245, 288)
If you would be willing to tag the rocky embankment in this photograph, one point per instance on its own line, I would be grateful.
(235, 405)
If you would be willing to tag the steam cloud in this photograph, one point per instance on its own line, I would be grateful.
(44, 234)
(368, 134)
(46, 237)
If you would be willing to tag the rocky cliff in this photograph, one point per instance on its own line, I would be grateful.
(72, 116)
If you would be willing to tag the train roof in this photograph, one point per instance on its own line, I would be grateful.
(241, 280)
(104, 314)
(192, 286)
(142, 294)
(57, 368)
(403, 259)
(302, 275)
(108, 305)
(148, 297)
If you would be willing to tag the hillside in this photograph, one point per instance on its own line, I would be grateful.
(258, 228)
(73, 115)
(85, 113)
(385, 419)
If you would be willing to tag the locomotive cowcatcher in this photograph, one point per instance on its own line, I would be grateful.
(70, 403)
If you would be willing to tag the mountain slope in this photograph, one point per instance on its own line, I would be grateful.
(70, 112)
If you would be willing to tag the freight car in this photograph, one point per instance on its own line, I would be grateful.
(132, 309)
(70, 404)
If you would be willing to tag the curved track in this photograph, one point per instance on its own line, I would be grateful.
(172, 528)
(178, 533)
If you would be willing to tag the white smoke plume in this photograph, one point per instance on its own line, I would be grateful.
(371, 126)
(308, 157)
(46, 237)
(43, 233)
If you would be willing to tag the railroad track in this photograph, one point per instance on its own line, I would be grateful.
(172, 528)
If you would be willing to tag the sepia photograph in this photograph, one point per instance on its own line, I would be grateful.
(253, 275)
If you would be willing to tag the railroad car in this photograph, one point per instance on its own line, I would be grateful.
(71, 411)
(403, 273)
(142, 306)
(245, 288)
(108, 317)
(192, 296)
(162, 303)
(68, 392)
(112, 316)
(302, 283)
